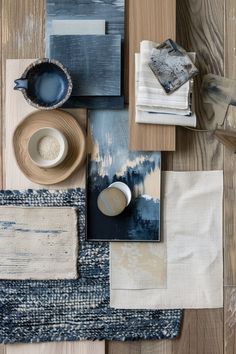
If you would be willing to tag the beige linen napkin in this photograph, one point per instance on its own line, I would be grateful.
(150, 92)
(192, 232)
(147, 117)
(38, 243)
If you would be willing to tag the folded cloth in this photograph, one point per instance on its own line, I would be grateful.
(38, 243)
(152, 117)
(192, 232)
(150, 92)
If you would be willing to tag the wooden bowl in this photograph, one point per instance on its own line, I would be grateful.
(73, 133)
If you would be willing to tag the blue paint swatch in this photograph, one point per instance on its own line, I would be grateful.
(112, 161)
(93, 61)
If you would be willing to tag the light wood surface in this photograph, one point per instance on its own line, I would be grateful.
(16, 110)
(58, 348)
(200, 27)
(153, 20)
(230, 196)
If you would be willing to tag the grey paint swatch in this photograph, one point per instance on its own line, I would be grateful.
(94, 62)
(62, 27)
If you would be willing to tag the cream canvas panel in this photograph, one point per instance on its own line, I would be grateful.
(38, 243)
(192, 231)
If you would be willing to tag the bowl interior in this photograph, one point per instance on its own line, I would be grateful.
(53, 152)
(47, 84)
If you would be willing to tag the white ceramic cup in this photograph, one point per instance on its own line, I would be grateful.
(33, 149)
(123, 188)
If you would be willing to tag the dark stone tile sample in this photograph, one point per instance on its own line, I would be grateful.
(93, 61)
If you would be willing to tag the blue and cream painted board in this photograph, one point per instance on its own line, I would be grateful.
(38, 243)
(110, 161)
(111, 11)
(93, 61)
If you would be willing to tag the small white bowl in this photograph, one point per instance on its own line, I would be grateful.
(33, 149)
(123, 188)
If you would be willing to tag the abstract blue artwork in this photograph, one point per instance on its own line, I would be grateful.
(110, 160)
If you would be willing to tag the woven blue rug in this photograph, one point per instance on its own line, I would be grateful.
(37, 311)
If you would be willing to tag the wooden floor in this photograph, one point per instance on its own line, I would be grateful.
(207, 27)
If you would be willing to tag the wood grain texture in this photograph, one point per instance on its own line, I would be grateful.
(23, 22)
(230, 188)
(58, 348)
(153, 20)
(230, 320)
(229, 156)
(94, 63)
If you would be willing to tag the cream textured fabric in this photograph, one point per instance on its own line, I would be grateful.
(147, 117)
(192, 232)
(38, 243)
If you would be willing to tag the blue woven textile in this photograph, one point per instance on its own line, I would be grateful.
(37, 311)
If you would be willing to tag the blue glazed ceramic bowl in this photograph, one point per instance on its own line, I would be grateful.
(45, 84)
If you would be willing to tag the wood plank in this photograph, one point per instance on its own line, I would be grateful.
(230, 157)
(58, 348)
(229, 320)
(153, 20)
(123, 347)
(230, 188)
(22, 37)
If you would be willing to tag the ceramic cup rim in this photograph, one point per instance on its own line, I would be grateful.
(63, 68)
(124, 188)
(34, 139)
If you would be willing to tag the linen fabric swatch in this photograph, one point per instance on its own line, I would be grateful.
(144, 114)
(59, 310)
(151, 95)
(93, 61)
(38, 243)
(192, 232)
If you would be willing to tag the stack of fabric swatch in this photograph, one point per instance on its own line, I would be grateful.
(153, 104)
